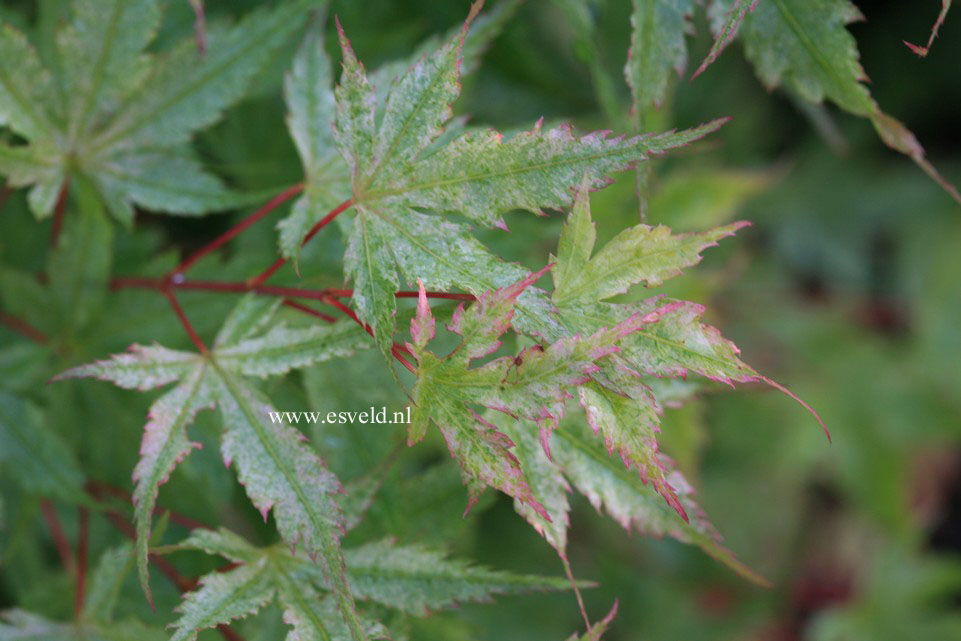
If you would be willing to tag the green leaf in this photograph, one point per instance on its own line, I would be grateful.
(629, 501)
(477, 175)
(106, 581)
(658, 28)
(122, 118)
(186, 92)
(283, 348)
(311, 106)
(726, 31)
(101, 60)
(164, 446)
(672, 341)
(223, 597)
(417, 579)
(26, 88)
(79, 266)
(170, 180)
(804, 46)
(640, 254)
(534, 385)
(34, 455)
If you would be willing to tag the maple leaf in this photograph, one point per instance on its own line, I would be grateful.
(620, 406)
(395, 171)
(311, 106)
(19, 624)
(278, 471)
(34, 455)
(535, 384)
(414, 579)
(658, 29)
(803, 45)
(122, 118)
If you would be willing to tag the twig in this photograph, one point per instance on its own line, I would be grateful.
(191, 332)
(309, 310)
(395, 349)
(23, 328)
(98, 488)
(58, 211)
(166, 568)
(280, 262)
(83, 538)
(160, 284)
(57, 534)
(219, 241)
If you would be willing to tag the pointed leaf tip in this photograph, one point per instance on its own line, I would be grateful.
(799, 401)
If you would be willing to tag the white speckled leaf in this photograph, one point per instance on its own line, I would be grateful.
(139, 367)
(311, 107)
(483, 176)
(534, 385)
(608, 484)
(545, 479)
(417, 579)
(223, 597)
(639, 254)
(164, 445)
(369, 263)
(283, 348)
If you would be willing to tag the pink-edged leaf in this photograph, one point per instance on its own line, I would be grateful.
(922, 51)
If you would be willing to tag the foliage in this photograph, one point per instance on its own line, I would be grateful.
(590, 382)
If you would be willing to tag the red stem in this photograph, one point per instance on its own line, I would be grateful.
(23, 328)
(280, 262)
(125, 282)
(309, 310)
(217, 242)
(395, 349)
(57, 534)
(58, 211)
(97, 488)
(178, 310)
(166, 568)
(83, 537)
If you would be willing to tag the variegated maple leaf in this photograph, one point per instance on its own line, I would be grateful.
(534, 385)
(398, 170)
(278, 470)
(413, 579)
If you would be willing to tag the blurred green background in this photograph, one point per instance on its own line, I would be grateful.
(847, 289)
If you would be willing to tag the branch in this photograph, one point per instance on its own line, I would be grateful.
(310, 310)
(23, 328)
(191, 332)
(57, 534)
(228, 235)
(99, 489)
(58, 211)
(160, 284)
(280, 262)
(166, 568)
(395, 349)
(83, 537)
